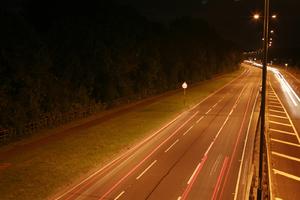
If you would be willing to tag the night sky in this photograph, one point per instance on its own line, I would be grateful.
(232, 18)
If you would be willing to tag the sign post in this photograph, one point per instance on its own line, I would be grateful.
(184, 86)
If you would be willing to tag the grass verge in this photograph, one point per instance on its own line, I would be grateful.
(37, 174)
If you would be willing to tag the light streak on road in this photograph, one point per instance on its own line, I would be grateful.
(288, 90)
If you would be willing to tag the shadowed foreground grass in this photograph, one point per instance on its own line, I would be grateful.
(39, 173)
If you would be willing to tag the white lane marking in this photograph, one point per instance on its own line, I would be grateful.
(209, 147)
(199, 119)
(273, 97)
(117, 197)
(272, 106)
(291, 176)
(171, 146)
(284, 142)
(283, 124)
(278, 111)
(133, 149)
(280, 131)
(286, 156)
(215, 104)
(218, 90)
(188, 130)
(208, 111)
(278, 116)
(196, 169)
(137, 178)
(244, 149)
(179, 198)
(147, 139)
(273, 103)
(287, 114)
(277, 198)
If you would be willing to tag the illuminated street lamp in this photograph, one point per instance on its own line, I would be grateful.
(286, 65)
(256, 16)
(271, 31)
(274, 16)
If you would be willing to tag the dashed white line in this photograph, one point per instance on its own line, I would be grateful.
(117, 197)
(208, 111)
(171, 146)
(215, 104)
(291, 176)
(179, 198)
(137, 178)
(280, 131)
(286, 156)
(284, 142)
(283, 124)
(187, 131)
(199, 119)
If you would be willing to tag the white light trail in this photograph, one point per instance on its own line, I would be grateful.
(286, 86)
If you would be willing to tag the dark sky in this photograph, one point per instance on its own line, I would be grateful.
(232, 18)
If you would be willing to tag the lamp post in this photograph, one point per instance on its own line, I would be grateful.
(263, 95)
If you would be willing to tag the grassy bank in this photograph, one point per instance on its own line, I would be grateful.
(38, 173)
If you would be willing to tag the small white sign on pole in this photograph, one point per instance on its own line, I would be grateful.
(184, 85)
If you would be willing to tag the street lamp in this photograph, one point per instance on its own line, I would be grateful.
(263, 94)
(256, 16)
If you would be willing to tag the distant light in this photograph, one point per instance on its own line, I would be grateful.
(271, 39)
(274, 16)
(272, 31)
(256, 16)
(263, 39)
(286, 64)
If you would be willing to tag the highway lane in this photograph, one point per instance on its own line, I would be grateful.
(196, 156)
(284, 141)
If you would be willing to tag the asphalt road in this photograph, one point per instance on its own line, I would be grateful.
(283, 132)
(198, 155)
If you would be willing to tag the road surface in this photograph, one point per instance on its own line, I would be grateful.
(198, 155)
(283, 131)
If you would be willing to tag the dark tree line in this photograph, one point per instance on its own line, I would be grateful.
(55, 57)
